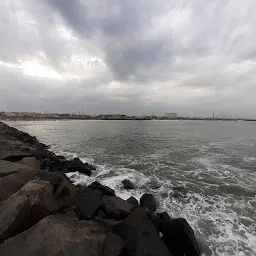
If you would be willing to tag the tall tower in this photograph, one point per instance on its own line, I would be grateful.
(213, 115)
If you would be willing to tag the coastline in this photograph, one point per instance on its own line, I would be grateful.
(33, 179)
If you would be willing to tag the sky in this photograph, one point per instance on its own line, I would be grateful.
(129, 56)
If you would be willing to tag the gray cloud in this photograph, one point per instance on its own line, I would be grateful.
(128, 56)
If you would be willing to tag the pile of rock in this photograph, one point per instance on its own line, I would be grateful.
(43, 213)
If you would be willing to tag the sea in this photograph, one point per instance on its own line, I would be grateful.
(203, 171)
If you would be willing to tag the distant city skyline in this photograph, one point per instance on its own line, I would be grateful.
(167, 115)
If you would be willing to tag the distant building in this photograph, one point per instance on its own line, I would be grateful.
(10, 114)
(171, 115)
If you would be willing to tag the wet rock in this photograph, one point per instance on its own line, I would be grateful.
(105, 190)
(79, 168)
(11, 183)
(127, 184)
(148, 201)
(115, 207)
(87, 202)
(53, 178)
(179, 237)
(113, 245)
(77, 165)
(39, 192)
(164, 216)
(13, 212)
(65, 188)
(61, 157)
(156, 220)
(58, 235)
(140, 235)
(30, 161)
(79, 162)
(132, 200)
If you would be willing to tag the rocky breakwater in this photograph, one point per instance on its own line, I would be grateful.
(43, 213)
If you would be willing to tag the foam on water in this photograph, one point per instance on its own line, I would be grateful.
(214, 217)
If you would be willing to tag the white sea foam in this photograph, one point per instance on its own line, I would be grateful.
(249, 159)
(211, 217)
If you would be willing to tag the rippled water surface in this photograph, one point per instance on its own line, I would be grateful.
(203, 171)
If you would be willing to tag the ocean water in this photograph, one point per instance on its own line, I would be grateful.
(203, 171)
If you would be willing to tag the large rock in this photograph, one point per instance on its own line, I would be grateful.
(13, 212)
(164, 216)
(140, 235)
(30, 161)
(58, 235)
(115, 207)
(7, 168)
(18, 176)
(148, 201)
(113, 245)
(78, 161)
(39, 192)
(65, 188)
(53, 178)
(127, 184)
(105, 190)
(88, 203)
(132, 200)
(179, 237)
(80, 169)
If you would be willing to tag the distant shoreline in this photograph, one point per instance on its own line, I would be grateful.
(129, 119)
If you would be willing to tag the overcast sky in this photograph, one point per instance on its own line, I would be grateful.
(129, 56)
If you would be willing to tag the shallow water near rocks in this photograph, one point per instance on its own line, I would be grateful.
(201, 170)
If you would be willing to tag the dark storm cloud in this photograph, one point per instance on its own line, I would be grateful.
(130, 56)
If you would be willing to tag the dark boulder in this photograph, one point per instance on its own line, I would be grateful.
(164, 216)
(115, 207)
(79, 168)
(132, 200)
(13, 212)
(46, 162)
(179, 237)
(113, 245)
(87, 202)
(108, 224)
(156, 220)
(127, 184)
(65, 188)
(78, 161)
(53, 178)
(100, 213)
(58, 235)
(148, 201)
(13, 182)
(39, 192)
(105, 190)
(140, 235)
(61, 157)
